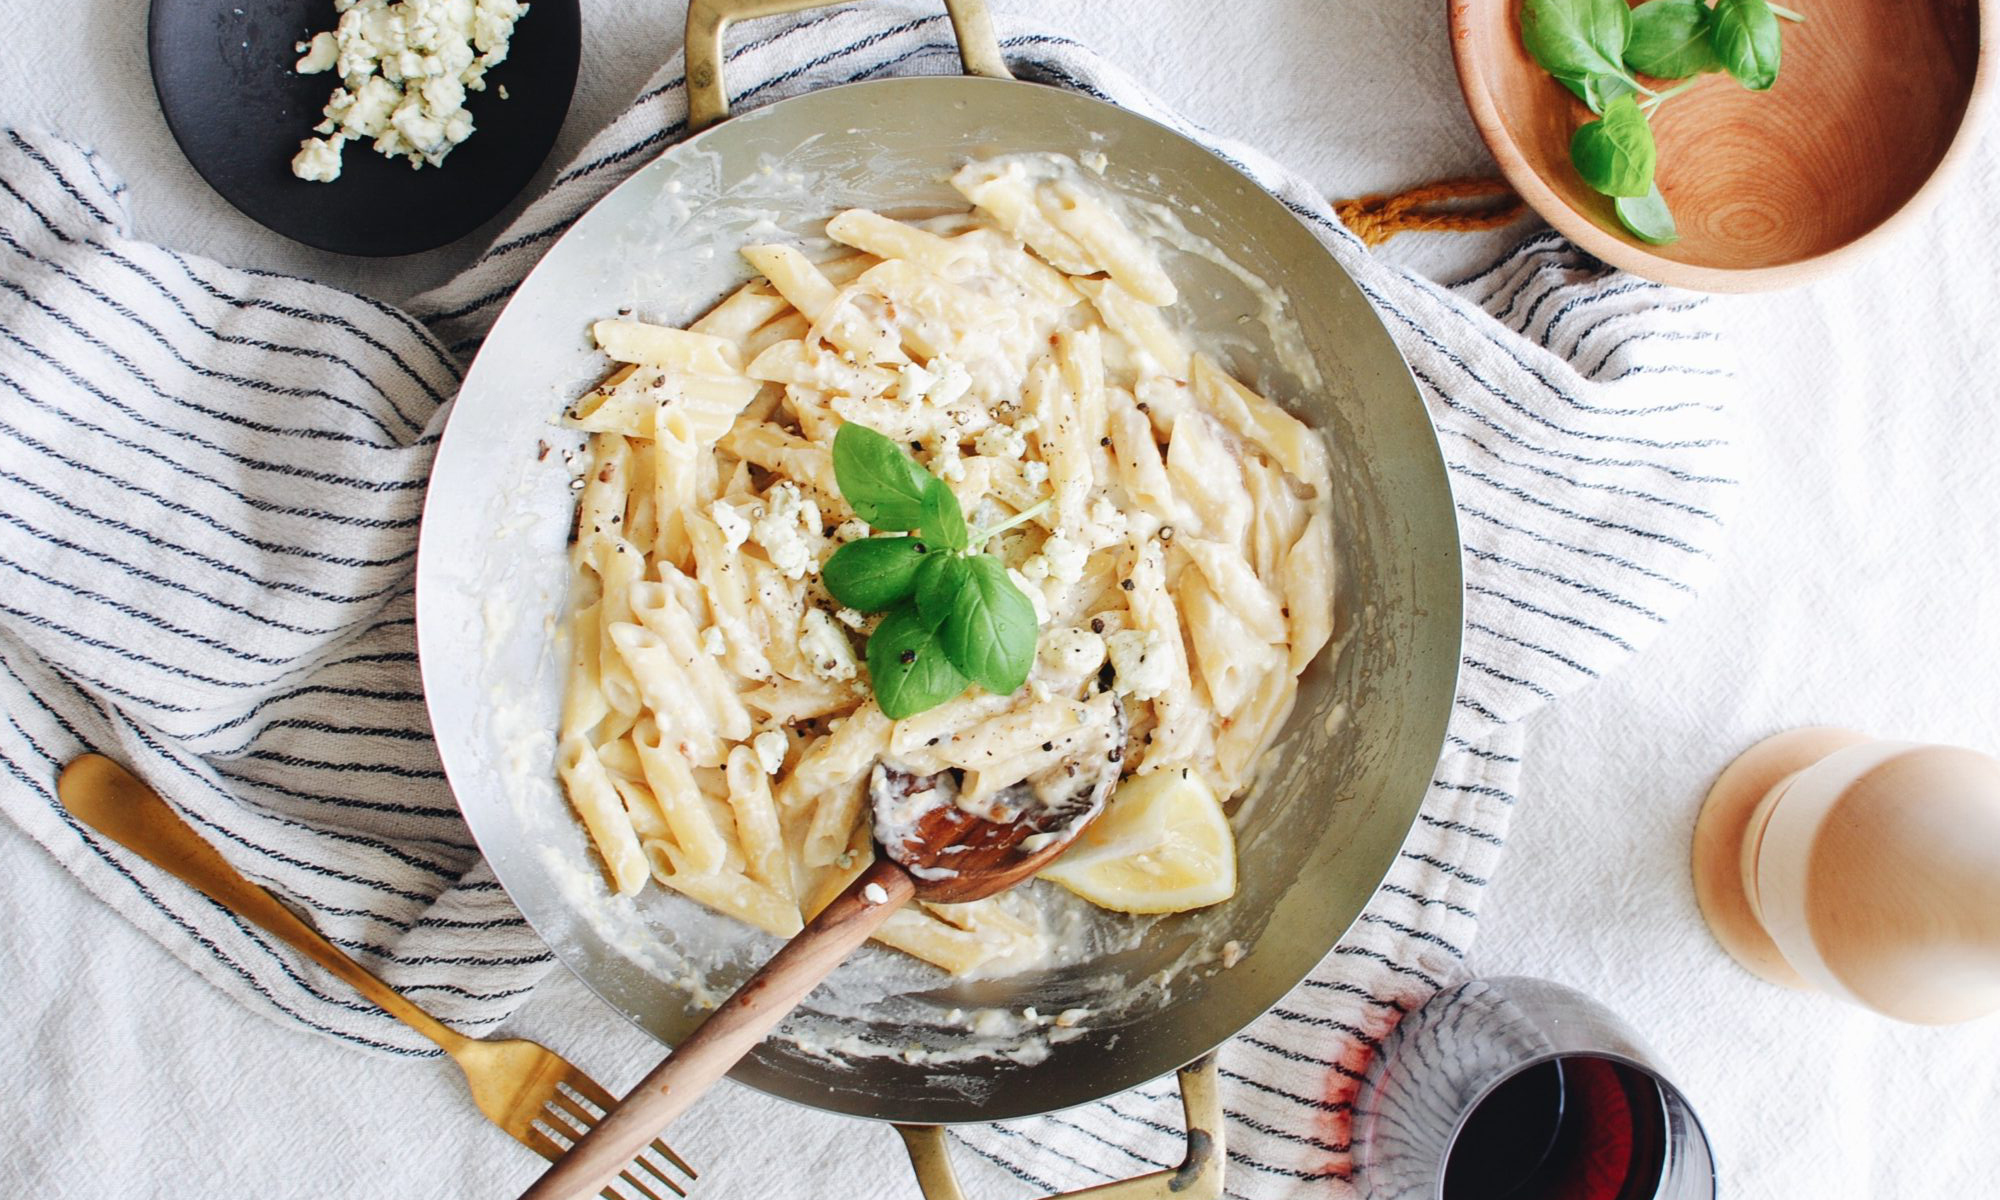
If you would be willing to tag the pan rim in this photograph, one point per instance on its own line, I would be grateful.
(1441, 617)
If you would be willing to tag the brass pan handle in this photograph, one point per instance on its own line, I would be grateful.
(1199, 1177)
(708, 97)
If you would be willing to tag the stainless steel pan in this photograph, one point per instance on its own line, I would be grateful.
(1316, 837)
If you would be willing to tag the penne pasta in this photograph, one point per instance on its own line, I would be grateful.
(757, 829)
(1206, 478)
(1233, 660)
(1309, 583)
(1254, 605)
(887, 239)
(661, 346)
(1169, 526)
(1107, 242)
(598, 803)
(824, 304)
(748, 309)
(1289, 442)
(682, 807)
(746, 899)
(1140, 325)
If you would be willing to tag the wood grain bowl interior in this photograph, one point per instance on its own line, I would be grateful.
(1767, 188)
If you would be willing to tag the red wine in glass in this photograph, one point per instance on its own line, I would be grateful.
(1572, 1128)
(1511, 1088)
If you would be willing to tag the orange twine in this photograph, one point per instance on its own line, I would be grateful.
(1433, 208)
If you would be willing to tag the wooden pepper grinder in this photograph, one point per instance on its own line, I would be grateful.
(1867, 869)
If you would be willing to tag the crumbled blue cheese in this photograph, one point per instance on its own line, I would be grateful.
(712, 643)
(730, 520)
(943, 382)
(1060, 559)
(769, 747)
(1000, 441)
(320, 54)
(405, 68)
(1071, 654)
(1035, 472)
(852, 530)
(947, 463)
(1103, 525)
(1140, 662)
(1033, 591)
(786, 529)
(318, 161)
(913, 382)
(1008, 441)
(826, 647)
(988, 513)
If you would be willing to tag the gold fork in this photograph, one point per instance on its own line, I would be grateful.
(526, 1089)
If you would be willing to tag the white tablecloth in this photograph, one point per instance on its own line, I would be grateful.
(1857, 589)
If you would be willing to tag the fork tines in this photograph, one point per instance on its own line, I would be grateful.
(575, 1110)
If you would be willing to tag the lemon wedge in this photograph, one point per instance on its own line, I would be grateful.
(1163, 845)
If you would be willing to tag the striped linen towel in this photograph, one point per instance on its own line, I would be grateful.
(209, 488)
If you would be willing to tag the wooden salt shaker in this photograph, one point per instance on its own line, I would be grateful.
(1867, 869)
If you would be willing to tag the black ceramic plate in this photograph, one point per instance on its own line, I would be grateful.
(223, 71)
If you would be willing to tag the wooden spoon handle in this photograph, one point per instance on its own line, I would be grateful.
(729, 1033)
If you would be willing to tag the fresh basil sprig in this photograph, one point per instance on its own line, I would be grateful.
(1648, 217)
(1598, 91)
(953, 616)
(908, 664)
(1615, 154)
(874, 574)
(886, 488)
(1578, 40)
(979, 612)
(1599, 49)
(1671, 39)
(1747, 41)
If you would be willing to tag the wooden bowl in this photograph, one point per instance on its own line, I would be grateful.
(1870, 111)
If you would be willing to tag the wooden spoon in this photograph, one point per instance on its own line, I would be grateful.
(936, 850)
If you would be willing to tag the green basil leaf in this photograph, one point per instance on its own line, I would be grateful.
(1671, 39)
(1577, 39)
(1616, 154)
(908, 666)
(884, 486)
(1648, 217)
(987, 624)
(1747, 41)
(940, 520)
(1598, 90)
(874, 574)
(935, 587)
